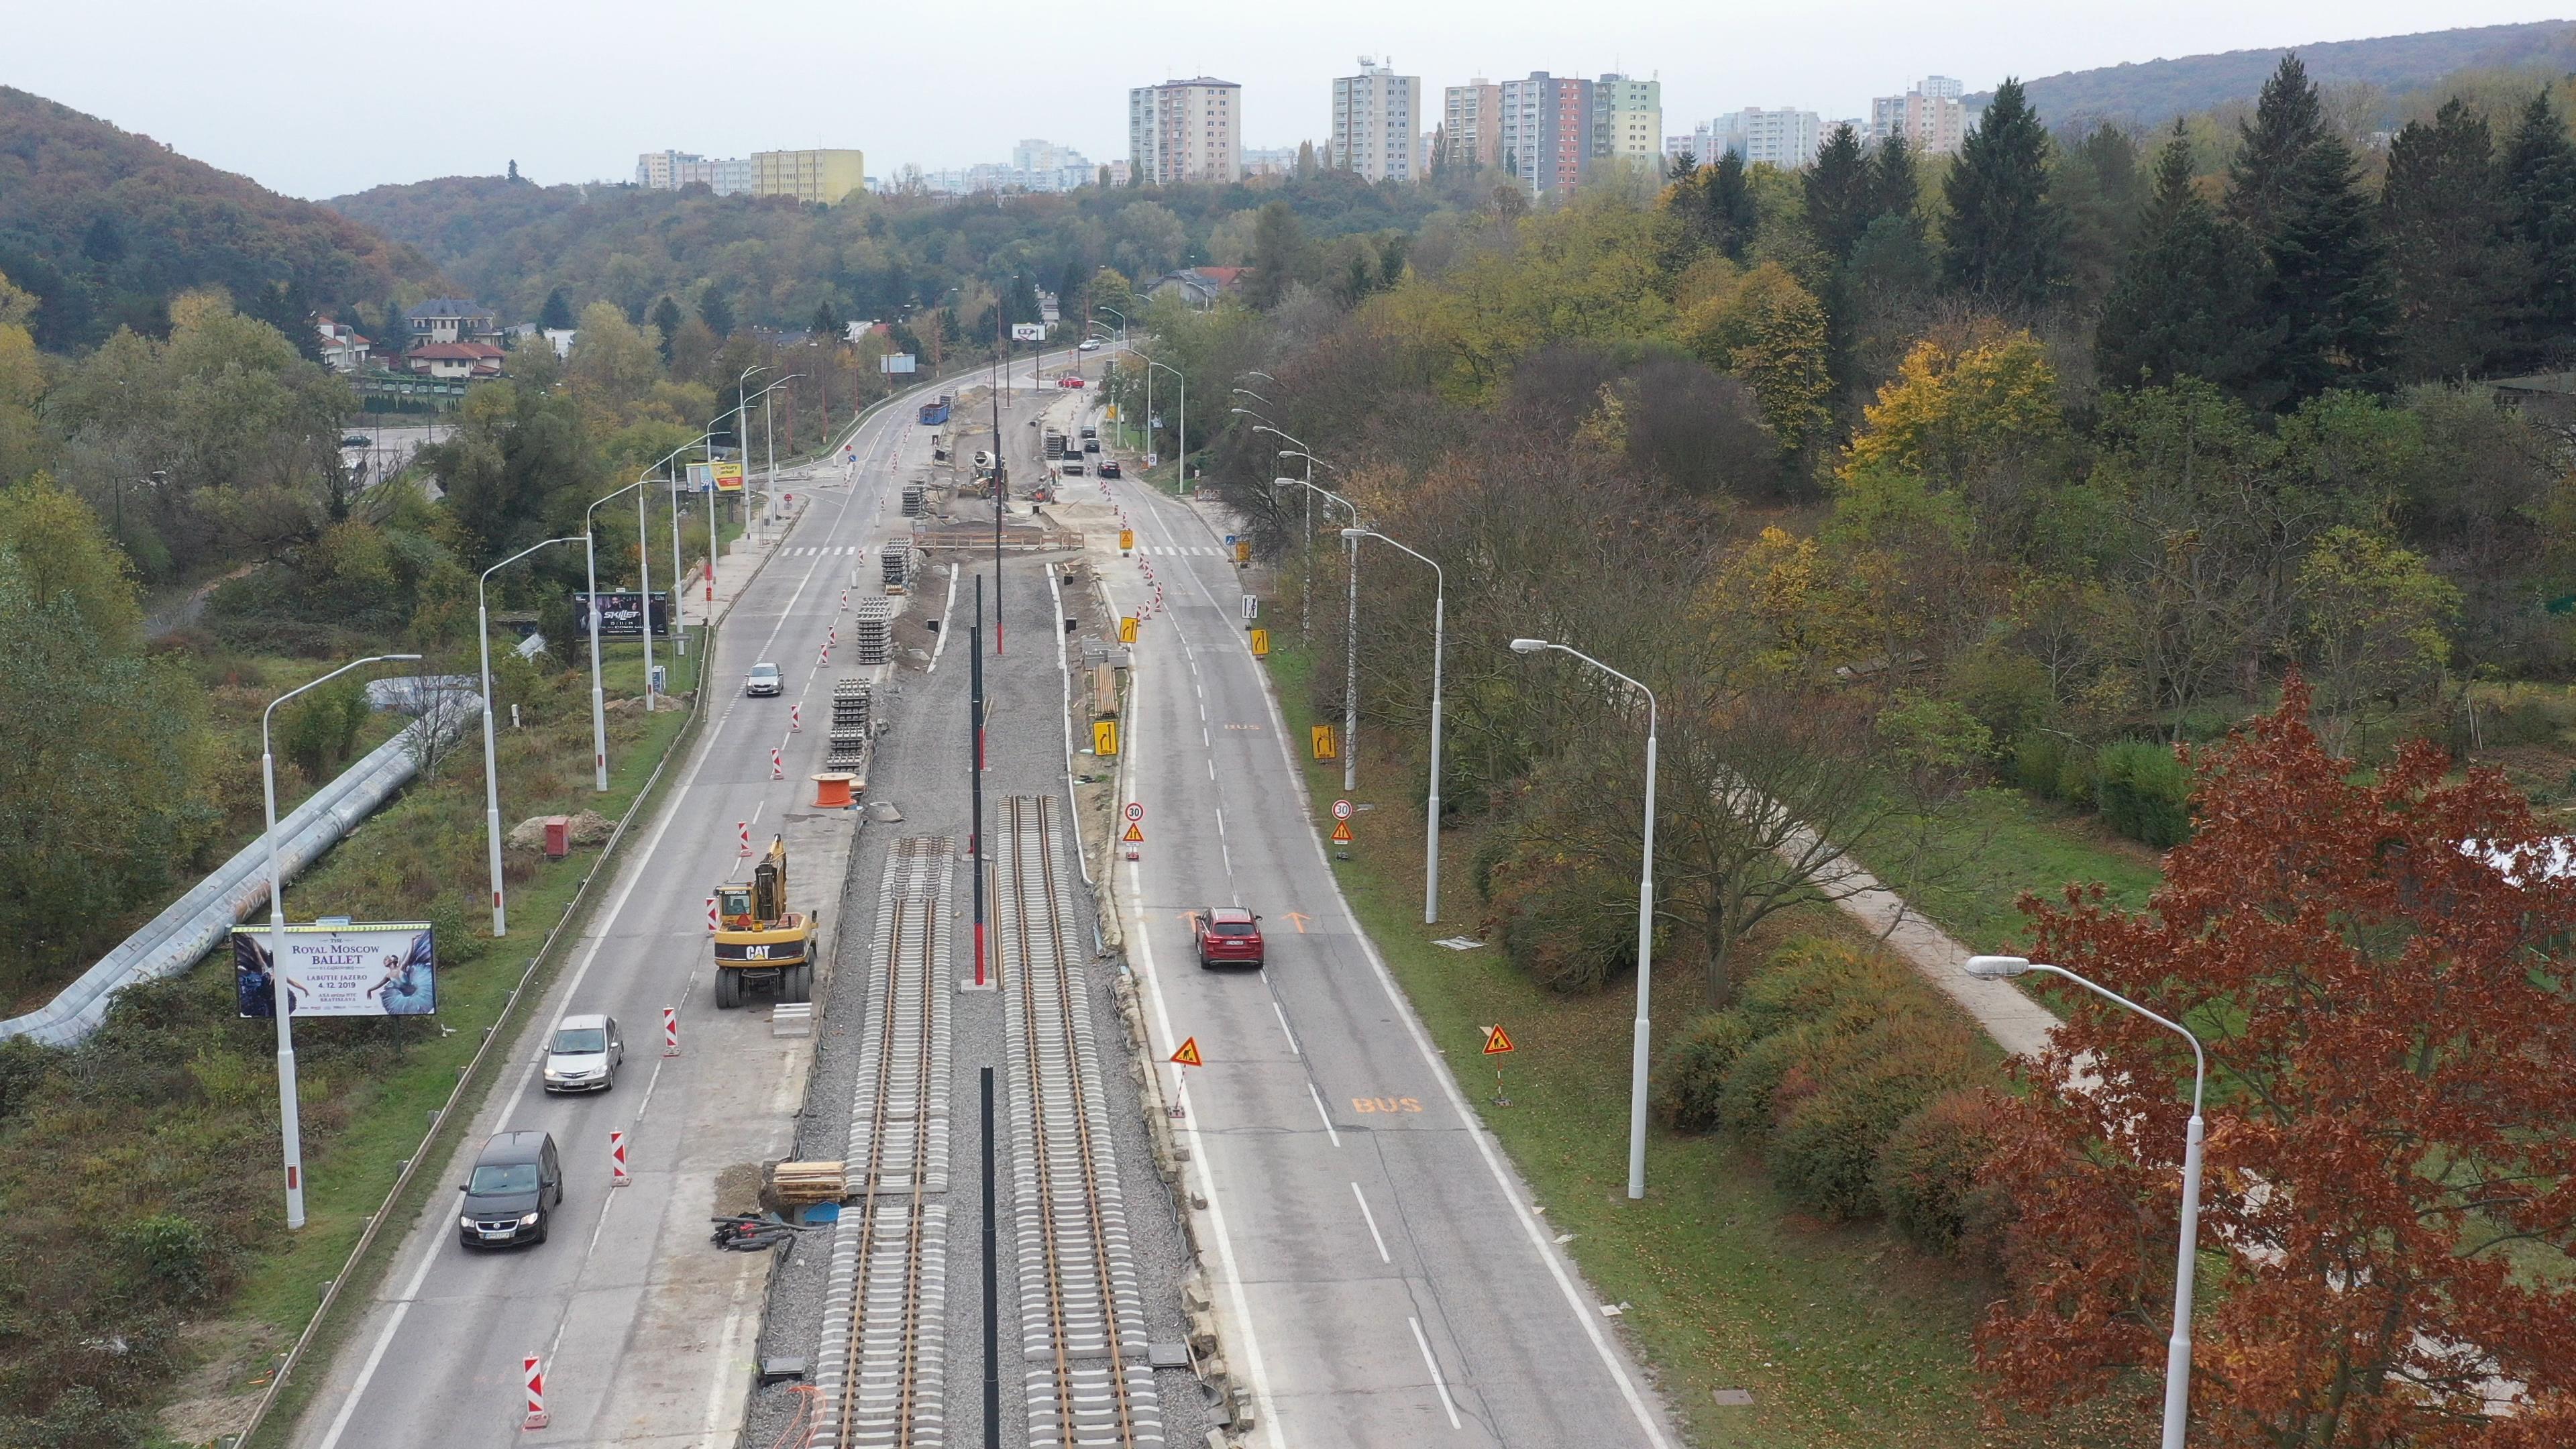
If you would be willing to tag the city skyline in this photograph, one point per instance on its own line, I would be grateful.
(587, 122)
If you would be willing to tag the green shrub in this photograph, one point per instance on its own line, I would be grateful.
(170, 1260)
(1809, 979)
(1836, 1109)
(318, 731)
(1744, 1098)
(1928, 1172)
(2005, 689)
(2145, 792)
(2039, 763)
(1693, 1070)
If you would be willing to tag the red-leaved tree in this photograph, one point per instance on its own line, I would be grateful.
(2381, 974)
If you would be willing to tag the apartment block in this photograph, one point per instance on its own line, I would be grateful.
(1767, 135)
(823, 176)
(671, 170)
(1928, 116)
(1377, 122)
(1627, 120)
(1546, 131)
(1471, 123)
(1186, 130)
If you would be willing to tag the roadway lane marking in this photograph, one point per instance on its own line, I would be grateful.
(725, 1351)
(1377, 1238)
(1320, 1112)
(634, 871)
(1143, 939)
(1476, 1130)
(1437, 1382)
(1283, 1021)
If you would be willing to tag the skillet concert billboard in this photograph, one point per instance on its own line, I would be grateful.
(372, 969)
(621, 614)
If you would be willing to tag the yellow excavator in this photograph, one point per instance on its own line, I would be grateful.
(759, 942)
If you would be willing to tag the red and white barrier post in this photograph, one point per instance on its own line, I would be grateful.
(795, 718)
(534, 1369)
(826, 658)
(671, 1026)
(744, 828)
(845, 598)
(777, 765)
(617, 1160)
(711, 913)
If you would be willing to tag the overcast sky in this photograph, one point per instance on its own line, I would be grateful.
(302, 95)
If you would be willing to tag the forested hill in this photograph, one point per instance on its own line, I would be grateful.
(2153, 92)
(106, 226)
(775, 261)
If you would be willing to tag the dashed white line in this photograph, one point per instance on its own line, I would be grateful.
(1437, 1381)
(1327, 1116)
(1362, 1199)
(1283, 1028)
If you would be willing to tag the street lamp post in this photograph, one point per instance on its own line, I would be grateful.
(1351, 630)
(598, 695)
(2186, 1255)
(289, 1122)
(1306, 595)
(769, 506)
(742, 429)
(491, 767)
(1183, 472)
(1439, 639)
(679, 633)
(1645, 924)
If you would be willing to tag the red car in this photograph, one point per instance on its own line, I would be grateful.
(1068, 381)
(1229, 935)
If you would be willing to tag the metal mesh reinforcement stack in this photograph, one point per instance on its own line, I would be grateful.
(872, 631)
(895, 562)
(913, 495)
(851, 722)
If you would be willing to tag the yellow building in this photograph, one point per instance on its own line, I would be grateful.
(824, 176)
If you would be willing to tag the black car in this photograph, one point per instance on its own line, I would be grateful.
(1091, 445)
(514, 1191)
(1109, 468)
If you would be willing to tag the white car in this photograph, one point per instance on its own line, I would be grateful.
(763, 679)
(585, 1055)
(1090, 344)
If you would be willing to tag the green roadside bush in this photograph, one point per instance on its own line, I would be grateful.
(1927, 1181)
(1835, 1111)
(1693, 1071)
(1831, 1058)
(2145, 792)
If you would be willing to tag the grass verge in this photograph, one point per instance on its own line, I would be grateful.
(1843, 1335)
(1994, 844)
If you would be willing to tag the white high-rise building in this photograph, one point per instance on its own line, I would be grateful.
(1377, 122)
(1764, 135)
(671, 170)
(1186, 130)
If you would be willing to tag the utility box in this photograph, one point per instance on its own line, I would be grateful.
(558, 837)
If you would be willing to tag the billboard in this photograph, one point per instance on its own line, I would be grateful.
(1028, 332)
(378, 968)
(621, 614)
(898, 362)
(724, 476)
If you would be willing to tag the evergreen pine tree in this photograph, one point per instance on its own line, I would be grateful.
(556, 315)
(2460, 278)
(716, 312)
(826, 323)
(2540, 209)
(1682, 167)
(1730, 205)
(2187, 300)
(2288, 120)
(2330, 288)
(1838, 195)
(667, 320)
(1892, 187)
(2004, 234)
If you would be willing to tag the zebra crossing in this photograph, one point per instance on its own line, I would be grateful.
(1208, 549)
(822, 550)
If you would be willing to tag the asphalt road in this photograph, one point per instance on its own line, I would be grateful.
(1384, 1274)
(646, 1329)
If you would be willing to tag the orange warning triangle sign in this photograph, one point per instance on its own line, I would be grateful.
(1188, 1055)
(1497, 1040)
(1341, 832)
(1135, 832)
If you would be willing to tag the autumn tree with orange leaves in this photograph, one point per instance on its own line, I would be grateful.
(2388, 1239)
